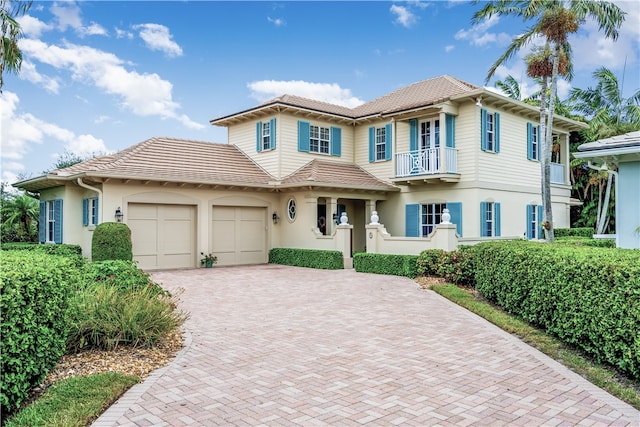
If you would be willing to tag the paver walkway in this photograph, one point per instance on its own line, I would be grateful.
(283, 346)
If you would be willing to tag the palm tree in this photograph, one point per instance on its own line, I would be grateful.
(9, 50)
(20, 213)
(553, 20)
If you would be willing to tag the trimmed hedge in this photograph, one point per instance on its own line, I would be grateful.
(111, 240)
(122, 275)
(34, 292)
(312, 258)
(588, 297)
(574, 232)
(429, 261)
(586, 241)
(74, 252)
(395, 265)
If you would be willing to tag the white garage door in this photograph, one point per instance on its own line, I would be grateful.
(163, 236)
(239, 235)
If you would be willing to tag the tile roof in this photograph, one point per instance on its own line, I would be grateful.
(335, 174)
(630, 139)
(172, 159)
(311, 104)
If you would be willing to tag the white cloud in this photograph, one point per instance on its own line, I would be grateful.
(479, 35)
(142, 94)
(327, 92)
(404, 16)
(19, 133)
(28, 72)
(33, 27)
(67, 15)
(278, 22)
(158, 37)
(449, 48)
(123, 34)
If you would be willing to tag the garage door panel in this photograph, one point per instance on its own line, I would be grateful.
(239, 235)
(251, 236)
(178, 237)
(144, 236)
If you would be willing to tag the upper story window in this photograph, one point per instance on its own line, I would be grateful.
(429, 134)
(533, 142)
(489, 219)
(380, 143)
(555, 150)
(266, 135)
(489, 131)
(319, 139)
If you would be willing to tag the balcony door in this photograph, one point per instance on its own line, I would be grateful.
(429, 145)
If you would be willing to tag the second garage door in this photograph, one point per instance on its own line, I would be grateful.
(163, 236)
(239, 235)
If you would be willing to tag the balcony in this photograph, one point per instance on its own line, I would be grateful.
(428, 165)
(557, 173)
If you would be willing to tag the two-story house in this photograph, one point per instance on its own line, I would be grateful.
(293, 165)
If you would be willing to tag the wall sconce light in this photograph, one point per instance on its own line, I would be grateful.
(275, 217)
(119, 215)
(479, 102)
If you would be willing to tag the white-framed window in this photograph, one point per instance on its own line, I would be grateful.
(429, 134)
(489, 131)
(266, 136)
(430, 216)
(489, 219)
(319, 139)
(535, 142)
(90, 211)
(534, 220)
(51, 221)
(381, 143)
(555, 149)
(291, 209)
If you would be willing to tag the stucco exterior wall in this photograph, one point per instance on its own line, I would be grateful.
(628, 209)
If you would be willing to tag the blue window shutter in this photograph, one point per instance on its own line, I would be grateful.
(42, 223)
(455, 210)
(341, 208)
(483, 129)
(413, 135)
(530, 141)
(272, 133)
(85, 212)
(388, 142)
(539, 143)
(450, 124)
(483, 219)
(496, 125)
(57, 217)
(540, 219)
(95, 211)
(303, 136)
(529, 220)
(372, 144)
(336, 141)
(412, 220)
(496, 219)
(259, 136)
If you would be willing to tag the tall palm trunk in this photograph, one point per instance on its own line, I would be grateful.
(545, 168)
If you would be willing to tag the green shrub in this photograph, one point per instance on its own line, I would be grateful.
(457, 266)
(111, 240)
(588, 297)
(123, 275)
(428, 261)
(103, 317)
(73, 252)
(34, 290)
(574, 232)
(395, 265)
(586, 241)
(312, 258)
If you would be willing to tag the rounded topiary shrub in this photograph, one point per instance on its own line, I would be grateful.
(111, 240)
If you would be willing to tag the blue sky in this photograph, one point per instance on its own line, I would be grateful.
(98, 77)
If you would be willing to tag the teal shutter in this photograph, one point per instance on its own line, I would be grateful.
(42, 223)
(272, 134)
(412, 220)
(483, 219)
(483, 129)
(450, 125)
(530, 141)
(496, 219)
(530, 209)
(413, 135)
(341, 208)
(85, 212)
(372, 144)
(540, 219)
(304, 136)
(496, 133)
(336, 141)
(57, 218)
(455, 210)
(259, 136)
(95, 211)
(388, 142)
(539, 144)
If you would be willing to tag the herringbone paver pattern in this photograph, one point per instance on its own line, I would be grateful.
(284, 346)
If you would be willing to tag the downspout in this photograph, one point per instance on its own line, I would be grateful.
(101, 201)
(615, 188)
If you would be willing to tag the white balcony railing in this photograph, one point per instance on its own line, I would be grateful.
(557, 173)
(426, 162)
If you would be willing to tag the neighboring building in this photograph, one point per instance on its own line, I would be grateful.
(622, 151)
(293, 165)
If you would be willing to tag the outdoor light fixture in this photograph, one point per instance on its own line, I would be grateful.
(479, 102)
(119, 214)
(275, 217)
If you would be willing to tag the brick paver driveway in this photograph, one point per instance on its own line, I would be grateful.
(274, 345)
